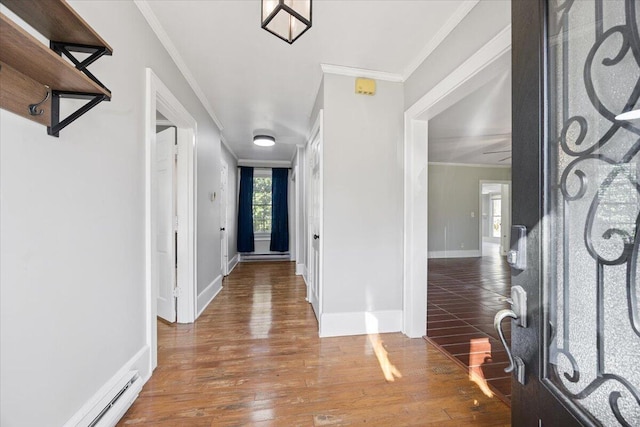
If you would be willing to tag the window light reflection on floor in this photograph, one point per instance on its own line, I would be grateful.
(479, 353)
(389, 370)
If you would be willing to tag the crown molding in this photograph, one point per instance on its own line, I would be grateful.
(162, 35)
(361, 72)
(453, 21)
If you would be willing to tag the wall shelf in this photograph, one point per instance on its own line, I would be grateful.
(57, 21)
(30, 71)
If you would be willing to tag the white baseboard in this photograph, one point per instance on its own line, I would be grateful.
(360, 323)
(299, 269)
(140, 362)
(209, 294)
(454, 254)
(232, 264)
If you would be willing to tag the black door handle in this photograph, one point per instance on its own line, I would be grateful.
(221, 228)
(316, 237)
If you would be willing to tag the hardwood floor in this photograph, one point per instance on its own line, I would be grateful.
(464, 294)
(254, 359)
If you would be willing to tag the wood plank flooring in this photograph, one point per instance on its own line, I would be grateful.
(254, 359)
(464, 295)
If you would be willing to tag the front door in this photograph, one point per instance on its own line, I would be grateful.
(576, 189)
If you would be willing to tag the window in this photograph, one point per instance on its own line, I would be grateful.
(261, 204)
(496, 213)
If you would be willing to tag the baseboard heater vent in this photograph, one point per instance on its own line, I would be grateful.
(115, 403)
(266, 257)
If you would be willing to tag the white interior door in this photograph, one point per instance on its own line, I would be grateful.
(224, 237)
(165, 223)
(315, 206)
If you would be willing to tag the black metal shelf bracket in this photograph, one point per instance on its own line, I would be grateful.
(56, 124)
(95, 53)
(93, 99)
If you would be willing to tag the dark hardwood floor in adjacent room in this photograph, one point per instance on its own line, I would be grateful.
(464, 295)
(254, 359)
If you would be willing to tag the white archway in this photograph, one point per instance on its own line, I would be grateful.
(470, 75)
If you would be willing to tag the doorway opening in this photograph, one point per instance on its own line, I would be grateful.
(169, 211)
(495, 218)
(457, 135)
(164, 192)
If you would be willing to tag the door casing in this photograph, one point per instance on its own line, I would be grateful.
(314, 248)
(224, 223)
(475, 71)
(506, 209)
(159, 98)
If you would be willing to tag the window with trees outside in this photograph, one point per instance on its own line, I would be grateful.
(261, 204)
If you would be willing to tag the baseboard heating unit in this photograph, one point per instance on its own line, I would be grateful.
(108, 411)
(265, 257)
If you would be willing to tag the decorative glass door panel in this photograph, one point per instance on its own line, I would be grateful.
(592, 208)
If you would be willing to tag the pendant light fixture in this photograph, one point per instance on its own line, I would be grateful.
(264, 140)
(286, 19)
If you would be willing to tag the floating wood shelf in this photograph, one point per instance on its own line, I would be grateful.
(22, 51)
(18, 92)
(32, 73)
(57, 21)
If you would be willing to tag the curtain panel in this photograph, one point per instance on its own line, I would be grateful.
(279, 210)
(245, 211)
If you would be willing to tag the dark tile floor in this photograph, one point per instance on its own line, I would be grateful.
(464, 295)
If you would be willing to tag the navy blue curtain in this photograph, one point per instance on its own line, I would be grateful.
(279, 210)
(245, 211)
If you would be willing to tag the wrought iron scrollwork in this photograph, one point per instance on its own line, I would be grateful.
(594, 140)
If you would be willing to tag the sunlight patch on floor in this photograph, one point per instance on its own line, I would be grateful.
(389, 370)
(480, 352)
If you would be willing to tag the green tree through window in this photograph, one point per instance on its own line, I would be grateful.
(261, 204)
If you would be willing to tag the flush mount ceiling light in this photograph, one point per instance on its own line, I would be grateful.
(629, 115)
(264, 140)
(286, 19)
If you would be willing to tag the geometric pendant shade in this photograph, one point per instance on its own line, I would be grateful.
(286, 19)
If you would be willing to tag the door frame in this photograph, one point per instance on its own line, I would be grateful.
(159, 98)
(492, 181)
(225, 239)
(471, 74)
(316, 133)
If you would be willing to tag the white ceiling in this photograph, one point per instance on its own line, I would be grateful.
(476, 129)
(256, 82)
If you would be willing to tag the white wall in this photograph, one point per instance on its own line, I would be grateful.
(454, 195)
(72, 282)
(362, 198)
